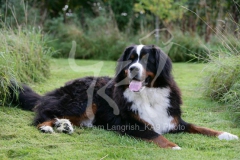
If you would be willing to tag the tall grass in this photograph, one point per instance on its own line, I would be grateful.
(222, 80)
(24, 57)
(188, 47)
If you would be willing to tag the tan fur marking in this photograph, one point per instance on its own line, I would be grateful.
(75, 120)
(175, 121)
(151, 74)
(89, 113)
(47, 123)
(163, 142)
(202, 130)
(126, 72)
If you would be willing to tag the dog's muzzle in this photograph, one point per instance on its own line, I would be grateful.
(136, 77)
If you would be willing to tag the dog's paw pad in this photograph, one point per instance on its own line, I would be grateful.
(64, 125)
(46, 129)
(227, 136)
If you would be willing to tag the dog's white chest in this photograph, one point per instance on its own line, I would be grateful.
(152, 105)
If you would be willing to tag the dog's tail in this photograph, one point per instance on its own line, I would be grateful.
(23, 96)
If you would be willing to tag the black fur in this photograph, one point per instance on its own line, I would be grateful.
(26, 97)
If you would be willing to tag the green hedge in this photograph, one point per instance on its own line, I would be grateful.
(101, 40)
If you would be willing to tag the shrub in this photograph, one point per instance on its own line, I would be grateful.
(188, 47)
(24, 57)
(105, 42)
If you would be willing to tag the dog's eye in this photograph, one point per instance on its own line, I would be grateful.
(132, 57)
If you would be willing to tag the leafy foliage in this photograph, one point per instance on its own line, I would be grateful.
(166, 10)
(123, 11)
(103, 28)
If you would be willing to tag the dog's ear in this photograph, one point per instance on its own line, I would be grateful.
(163, 65)
(122, 61)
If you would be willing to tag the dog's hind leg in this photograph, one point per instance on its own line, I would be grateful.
(191, 128)
(61, 125)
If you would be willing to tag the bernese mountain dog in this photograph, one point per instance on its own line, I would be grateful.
(142, 101)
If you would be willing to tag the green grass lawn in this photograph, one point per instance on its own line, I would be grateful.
(20, 140)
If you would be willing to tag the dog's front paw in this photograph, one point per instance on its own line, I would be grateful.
(64, 125)
(46, 129)
(227, 136)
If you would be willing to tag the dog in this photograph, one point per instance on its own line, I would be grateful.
(142, 100)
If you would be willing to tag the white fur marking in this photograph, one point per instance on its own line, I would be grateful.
(137, 64)
(64, 125)
(227, 136)
(139, 48)
(140, 67)
(176, 148)
(151, 104)
(47, 129)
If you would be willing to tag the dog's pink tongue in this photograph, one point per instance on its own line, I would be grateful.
(135, 85)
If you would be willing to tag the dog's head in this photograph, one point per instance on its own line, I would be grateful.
(143, 66)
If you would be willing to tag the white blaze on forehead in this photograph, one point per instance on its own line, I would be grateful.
(137, 64)
(139, 48)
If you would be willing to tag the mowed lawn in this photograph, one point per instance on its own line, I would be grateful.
(20, 140)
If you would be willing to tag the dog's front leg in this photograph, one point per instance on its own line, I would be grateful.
(162, 142)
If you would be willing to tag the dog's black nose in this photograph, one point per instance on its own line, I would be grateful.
(135, 69)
